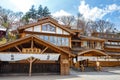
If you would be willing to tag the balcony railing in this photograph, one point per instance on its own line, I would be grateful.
(85, 48)
(92, 58)
(112, 46)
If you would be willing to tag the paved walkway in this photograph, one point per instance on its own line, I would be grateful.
(111, 69)
(74, 75)
(107, 75)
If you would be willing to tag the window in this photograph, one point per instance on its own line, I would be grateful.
(85, 43)
(59, 41)
(37, 28)
(44, 27)
(65, 42)
(53, 39)
(59, 31)
(64, 32)
(48, 27)
(41, 36)
(45, 38)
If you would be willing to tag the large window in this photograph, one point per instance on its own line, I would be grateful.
(45, 38)
(65, 42)
(53, 39)
(48, 27)
(92, 44)
(37, 28)
(59, 41)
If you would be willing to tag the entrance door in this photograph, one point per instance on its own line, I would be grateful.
(46, 68)
(84, 62)
(6, 67)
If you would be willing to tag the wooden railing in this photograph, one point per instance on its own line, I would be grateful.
(92, 58)
(112, 46)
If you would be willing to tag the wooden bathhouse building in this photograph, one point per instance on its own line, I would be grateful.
(49, 47)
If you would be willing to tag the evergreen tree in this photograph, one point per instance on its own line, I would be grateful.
(40, 12)
(46, 12)
(36, 14)
(25, 19)
(32, 13)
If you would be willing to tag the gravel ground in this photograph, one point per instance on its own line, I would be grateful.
(74, 75)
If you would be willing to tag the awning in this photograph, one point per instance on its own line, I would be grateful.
(17, 57)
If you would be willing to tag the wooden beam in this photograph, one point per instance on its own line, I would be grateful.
(49, 34)
(32, 43)
(44, 50)
(18, 48)
(12, 44)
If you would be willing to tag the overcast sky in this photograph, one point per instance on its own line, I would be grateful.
(91, 9)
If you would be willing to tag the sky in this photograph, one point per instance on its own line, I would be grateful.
(108, 10)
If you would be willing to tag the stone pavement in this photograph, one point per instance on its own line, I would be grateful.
(111, 69)
(74, 75)
(104, 75)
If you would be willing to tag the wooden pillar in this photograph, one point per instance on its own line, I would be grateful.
(32, 44)
(30, 68)
(102, 45)
(31, 60)
(64, 65)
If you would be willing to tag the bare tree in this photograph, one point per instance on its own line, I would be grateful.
(100, 26)
(7, 18)
(81, 24)
(66, 20)
(92, 26)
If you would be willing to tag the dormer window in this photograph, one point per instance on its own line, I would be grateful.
(48, 27)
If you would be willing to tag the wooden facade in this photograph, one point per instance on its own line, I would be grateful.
(47, 38)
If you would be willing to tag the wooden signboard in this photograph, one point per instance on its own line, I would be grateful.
(31, 50)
